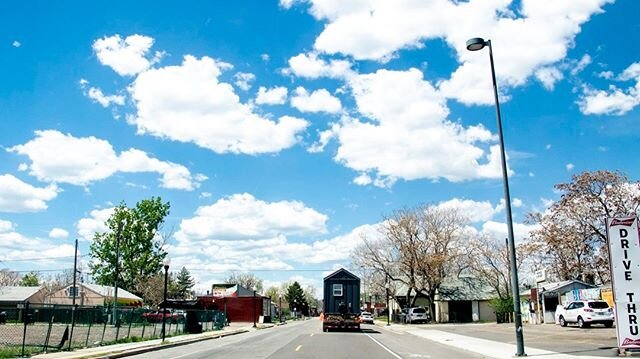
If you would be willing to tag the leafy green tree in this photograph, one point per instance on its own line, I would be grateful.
(273, 293)
(184, 283)
(295, 296)
(136, 231)
(30, 280)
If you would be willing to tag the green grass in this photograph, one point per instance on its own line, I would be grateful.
(16, 352)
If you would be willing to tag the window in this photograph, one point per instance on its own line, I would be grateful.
(598, 305)
(337, 290)
(72, 291)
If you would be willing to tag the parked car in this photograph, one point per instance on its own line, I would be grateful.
(366, 317)
(586, 312)
(156, 316)
(416, 315)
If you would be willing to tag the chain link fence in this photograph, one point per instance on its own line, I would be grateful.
(36, 328)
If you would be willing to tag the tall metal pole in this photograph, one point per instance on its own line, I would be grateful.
(164, 302)
(114, 317)
(512, 250)
(280, 307)
(75, 292)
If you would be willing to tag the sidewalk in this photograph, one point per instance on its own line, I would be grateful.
(488, 348)
(127, 349)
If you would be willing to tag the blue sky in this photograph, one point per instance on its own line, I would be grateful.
(281, 132)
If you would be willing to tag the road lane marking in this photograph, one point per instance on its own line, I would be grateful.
(383, 347)
(298, 348)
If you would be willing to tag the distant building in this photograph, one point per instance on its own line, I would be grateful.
(93, 295)
(238, 303)
(10, 296)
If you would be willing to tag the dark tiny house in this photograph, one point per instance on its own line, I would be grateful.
(341, 292)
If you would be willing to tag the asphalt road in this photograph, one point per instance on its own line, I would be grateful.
(305, 339)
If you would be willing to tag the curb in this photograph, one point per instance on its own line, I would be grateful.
(161, 346)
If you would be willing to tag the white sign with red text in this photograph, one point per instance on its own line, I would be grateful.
(624, 255)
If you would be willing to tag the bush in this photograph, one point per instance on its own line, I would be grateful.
(502, 307)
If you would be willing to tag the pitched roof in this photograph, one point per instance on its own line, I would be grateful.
(107, 291)
(342, 271)
(17, 294)
(557, 286)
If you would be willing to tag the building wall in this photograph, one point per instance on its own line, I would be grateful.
(487, 314)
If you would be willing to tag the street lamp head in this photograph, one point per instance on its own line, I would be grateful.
(475, 44)
(166, 263)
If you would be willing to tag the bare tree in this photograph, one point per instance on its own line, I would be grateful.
(247, 280)
(9, 277)
(572, 233)
(418, 248)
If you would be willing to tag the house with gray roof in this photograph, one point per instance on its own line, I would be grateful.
(10, 296)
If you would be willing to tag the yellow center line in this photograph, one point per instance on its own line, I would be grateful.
(298, 348)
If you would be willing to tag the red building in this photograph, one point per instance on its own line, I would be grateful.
(238, 303)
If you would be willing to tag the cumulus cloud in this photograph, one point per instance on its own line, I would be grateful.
(187, 103)
(126, 56)
(317, 101)
(86, 227)
(14, 245)
(16, 43)
(242, 232)
(18, 196)
(473, 210)
(311, 66)
(273, 96)
(5, 226)
(402, 134)
(614, 100)
(56, 157)
(498, 230)
(98, 96)
(243, 80)
(58, 233)
(570, 167)
(537, 34)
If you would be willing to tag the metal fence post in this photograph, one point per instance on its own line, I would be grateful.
(74, 308)
(26, 321)
(104, 329)
(117, 323)
(86, 341)
(130, 321)
(144, 325)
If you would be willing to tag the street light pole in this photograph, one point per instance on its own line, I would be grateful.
(167, 261)
(254, 309)
(386, 289)
(280, 307)
(476, 44)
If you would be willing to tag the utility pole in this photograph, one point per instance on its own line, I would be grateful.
(114, 319)
(75, 292)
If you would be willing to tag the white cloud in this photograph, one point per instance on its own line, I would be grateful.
(240, 232)
(5, 226)
(548, 146)
(127, 56)
(312, 67)
(473, 210)
(613, 101)
(570, 167)
(86, 227)
(517, 203)
(244, 80)
(17, 196)
(537, 34)
(243, 216)
(14, 245)
(498, 230)
(549, 76)
(58, 233)
(187, 103)
(272, 96)
(56, 157)
(317, 101)
(205, 194)
(16, 43)
(607, 75)
(581, 64)
(402, 137)
(104, 100)
(264, 57)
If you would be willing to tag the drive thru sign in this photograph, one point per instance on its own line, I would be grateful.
(624, 257)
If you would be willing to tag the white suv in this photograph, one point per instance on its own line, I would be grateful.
(587, 312)
(417, 315)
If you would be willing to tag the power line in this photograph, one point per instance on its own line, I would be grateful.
(39, 258)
